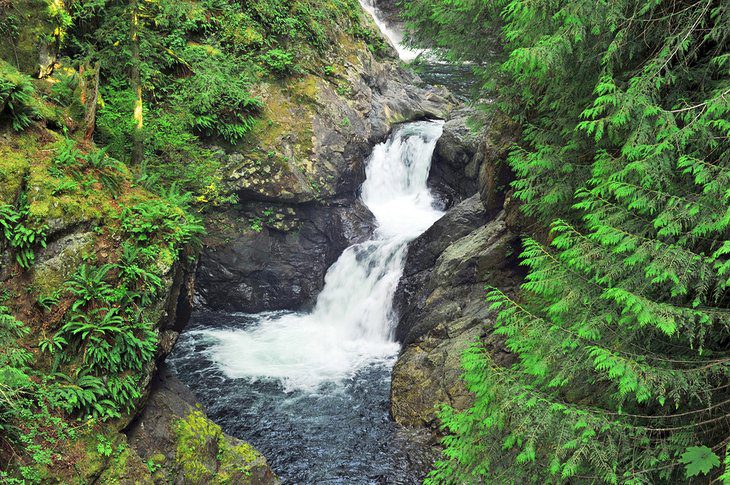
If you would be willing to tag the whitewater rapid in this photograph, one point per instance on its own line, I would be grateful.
(352, 323)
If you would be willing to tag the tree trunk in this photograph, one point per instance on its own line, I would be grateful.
(91, 103)
(136, 82)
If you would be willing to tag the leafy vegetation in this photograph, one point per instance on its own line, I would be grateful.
(22, 238)
(110, 153)
(621, 327)
(16, 98)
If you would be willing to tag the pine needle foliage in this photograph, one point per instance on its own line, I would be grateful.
(623, 323)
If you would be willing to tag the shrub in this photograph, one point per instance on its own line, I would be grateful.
(158, 220)
(217, 97)
(13, 367)
(88, 285)
(279, 61)
(16, 98)
(23, 238)
(115, 352)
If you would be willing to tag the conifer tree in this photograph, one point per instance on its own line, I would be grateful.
(622, 327)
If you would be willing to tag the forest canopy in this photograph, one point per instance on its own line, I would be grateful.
(622, 325)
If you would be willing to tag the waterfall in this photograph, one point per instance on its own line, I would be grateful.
(352, 323)
(392, 32)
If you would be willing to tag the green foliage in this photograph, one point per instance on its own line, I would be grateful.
(114, 124)
(88, 284)
(16, 98)
(14, 360)
(104, 445)
(621, 327)
(23, 238)
(279, 61)
(93, 166)
(159, 220)
(218, 97)
(111, 347)
(699, 460)
(52, 344)
(136, 274)
(47, 302)
(200, 63)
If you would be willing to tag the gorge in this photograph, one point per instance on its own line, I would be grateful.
(321, 378)
(364, 241)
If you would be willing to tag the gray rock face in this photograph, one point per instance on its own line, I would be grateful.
(443, 308)
(471, 157)
(281, 263)
(465, 260)
(456, 160)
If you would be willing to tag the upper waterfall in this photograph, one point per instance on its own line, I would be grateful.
(391, 31)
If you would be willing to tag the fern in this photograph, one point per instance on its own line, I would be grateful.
(88, 285)
(22, 238)
(16, 98)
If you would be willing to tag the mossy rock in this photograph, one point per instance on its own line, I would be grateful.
(204, 455)
(182, 446)
(14, 165)
(126, 467)
(59, 261)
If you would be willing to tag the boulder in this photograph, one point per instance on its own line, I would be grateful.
(455, 166)
(471, 157)
(180, 445)
(280, 256)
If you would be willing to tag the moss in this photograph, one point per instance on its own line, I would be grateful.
(14, 165)
(49, 275)
(125, 466)
(36, 28)
(204, 455)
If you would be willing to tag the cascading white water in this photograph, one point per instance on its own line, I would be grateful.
(352, 324)
(393, 33)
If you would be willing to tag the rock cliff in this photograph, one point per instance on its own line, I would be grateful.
(441, 298)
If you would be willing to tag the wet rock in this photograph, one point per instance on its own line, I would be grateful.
(55, 263)
(455, 224)
(454, 285)
(184, 447)
(471, 157)
(280, 256)
(456, 164)
(442, 307)
(495, 175)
